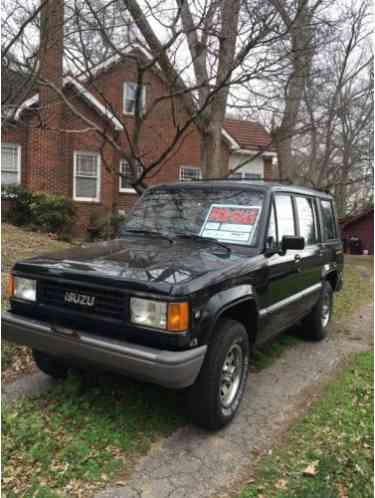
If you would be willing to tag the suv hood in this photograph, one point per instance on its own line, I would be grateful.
(142, 263)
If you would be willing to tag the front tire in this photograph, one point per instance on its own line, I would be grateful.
(50, 365)
(217, 393)
(315, 325)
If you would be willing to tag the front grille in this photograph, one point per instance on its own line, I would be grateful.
(108, 303)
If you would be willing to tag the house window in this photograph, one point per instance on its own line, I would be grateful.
(130, 92)
(10, 164)
(189, 174)
(242, 175)
(86, 180)
(126, 176)
(251, 176)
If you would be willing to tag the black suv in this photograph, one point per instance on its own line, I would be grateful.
(200, 274)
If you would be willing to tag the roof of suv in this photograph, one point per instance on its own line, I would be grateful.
(259, 184)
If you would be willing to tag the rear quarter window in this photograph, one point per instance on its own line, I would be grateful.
(328, 220)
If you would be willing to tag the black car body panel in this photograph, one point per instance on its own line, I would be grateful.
(277, 289)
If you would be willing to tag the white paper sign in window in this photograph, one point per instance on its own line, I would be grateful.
(231, 223)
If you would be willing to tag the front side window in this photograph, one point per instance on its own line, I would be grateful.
(10, 164)
(306, 219)
(189, 174)
(284, 215)
(86, 181)
(272, 239)
(126, 176)
(130, 94)
(228, 215)
(328, 219)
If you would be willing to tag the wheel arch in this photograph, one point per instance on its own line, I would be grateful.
(245, 312)
(238, 304)
(332, 278)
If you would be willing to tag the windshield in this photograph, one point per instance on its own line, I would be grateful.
(227, 215)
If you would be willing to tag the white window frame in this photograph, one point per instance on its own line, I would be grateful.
(243, 175)
(181, 174)
(98, 185)
(127, 190)
(124, 97)
(19, 165)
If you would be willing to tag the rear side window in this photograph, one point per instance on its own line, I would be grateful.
(284, 215)
(306, 219)
(328, 220)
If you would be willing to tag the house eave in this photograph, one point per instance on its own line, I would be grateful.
(85, 93)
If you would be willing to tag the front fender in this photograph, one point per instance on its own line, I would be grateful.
(221, 302)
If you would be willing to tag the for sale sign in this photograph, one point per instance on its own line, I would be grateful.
(231, 223)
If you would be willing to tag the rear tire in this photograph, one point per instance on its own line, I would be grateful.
(217, 393)
(315, 325)
(50, 365)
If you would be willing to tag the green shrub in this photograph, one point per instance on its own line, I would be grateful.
(21, 214)
(51, 213)
(104, 227)
(41, 211)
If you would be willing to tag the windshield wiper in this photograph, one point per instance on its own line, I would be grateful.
(194, 236)
(142, 231)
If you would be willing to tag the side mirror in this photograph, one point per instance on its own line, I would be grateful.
(291, 242)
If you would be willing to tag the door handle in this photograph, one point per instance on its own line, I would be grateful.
(298, 261)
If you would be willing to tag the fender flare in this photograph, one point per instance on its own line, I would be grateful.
(329, 271)
(221, 302)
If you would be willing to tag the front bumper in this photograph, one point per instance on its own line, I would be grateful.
(172, 369)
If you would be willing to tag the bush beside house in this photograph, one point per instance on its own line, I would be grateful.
(38, 210)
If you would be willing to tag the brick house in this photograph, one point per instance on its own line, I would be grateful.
(48, 147)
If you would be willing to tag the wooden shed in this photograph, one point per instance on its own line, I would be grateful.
(360, 228)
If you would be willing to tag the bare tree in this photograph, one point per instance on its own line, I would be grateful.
(288, 61)
(337, 115)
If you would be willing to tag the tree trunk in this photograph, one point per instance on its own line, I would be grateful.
(214, 166)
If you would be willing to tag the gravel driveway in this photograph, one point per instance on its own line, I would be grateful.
(194, 463)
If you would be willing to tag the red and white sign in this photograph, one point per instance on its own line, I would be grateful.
(231, 223)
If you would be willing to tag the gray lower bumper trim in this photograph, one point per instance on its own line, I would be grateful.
(174, 369)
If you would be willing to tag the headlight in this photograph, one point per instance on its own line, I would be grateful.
(173, 317)
(24, 288)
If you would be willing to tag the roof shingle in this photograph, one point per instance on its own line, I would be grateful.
(249, 134)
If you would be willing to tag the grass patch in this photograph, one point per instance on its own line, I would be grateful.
(358, 286)
(267, 354)
(77, 437)
(329, 454)
(19, 243)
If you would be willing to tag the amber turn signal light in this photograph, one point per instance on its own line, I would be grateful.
(178, 317)
(9, 291)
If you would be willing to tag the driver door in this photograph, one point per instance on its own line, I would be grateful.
(280, 309)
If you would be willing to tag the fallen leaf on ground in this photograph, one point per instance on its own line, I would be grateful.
(281, 484)
(343, 492)
(310, 470)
